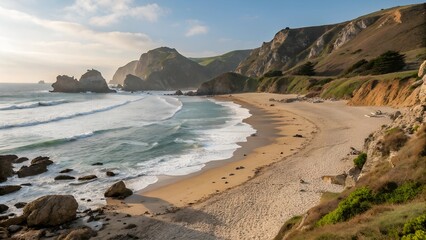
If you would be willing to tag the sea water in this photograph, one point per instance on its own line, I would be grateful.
(139, 136)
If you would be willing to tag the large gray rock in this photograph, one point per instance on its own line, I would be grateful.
(51, 210)
(3, 208)
(31, 170)
(66, 84)
(91, 81)
(133, 83)
(118, 190)
(6, 169)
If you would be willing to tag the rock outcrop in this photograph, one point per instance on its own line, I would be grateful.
(91, 81)
(6, 168)
(50, 211)
(123, 71)
(334, 48)
(118, 190)
(133, 83)
(38, 166)
(228, 83)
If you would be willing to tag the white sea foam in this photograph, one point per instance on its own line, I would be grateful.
(32, 104)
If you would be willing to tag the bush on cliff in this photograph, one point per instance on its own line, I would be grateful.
(390, 61)
(360, 160)
(306, 69)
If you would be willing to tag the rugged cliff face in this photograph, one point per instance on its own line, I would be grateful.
(164, 68)
(91, 81)
(334, 48)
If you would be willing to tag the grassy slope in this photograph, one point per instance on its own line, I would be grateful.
(207, 60)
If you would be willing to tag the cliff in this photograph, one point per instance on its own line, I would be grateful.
(227, 83)
(334, 48)
(165, 68)
(91, 81)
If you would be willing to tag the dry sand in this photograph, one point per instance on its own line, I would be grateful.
(254, 202)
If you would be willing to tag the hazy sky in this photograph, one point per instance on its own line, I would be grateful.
(43, 38)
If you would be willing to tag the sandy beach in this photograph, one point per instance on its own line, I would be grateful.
(225, 201)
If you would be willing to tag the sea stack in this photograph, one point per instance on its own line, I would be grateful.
(91, 81)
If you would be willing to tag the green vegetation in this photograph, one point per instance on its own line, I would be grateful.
(357, 202)
(342, 88)
(360, 160)
(390, 61)
(306, 69)
(275, 73)
(415, 228)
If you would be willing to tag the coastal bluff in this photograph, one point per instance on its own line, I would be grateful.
(91, 81)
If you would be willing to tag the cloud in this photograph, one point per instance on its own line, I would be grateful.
(120, 40)
(106, 12)
(196, 28)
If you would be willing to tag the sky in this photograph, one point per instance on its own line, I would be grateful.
(41, 39)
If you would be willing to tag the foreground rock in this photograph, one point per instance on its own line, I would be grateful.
(228, 83)
(87, 178)
(3, 208)
(6, 169)
(38, 166)
(132, 83)
(64, 177)
(91, 81)
(50, 211)
(118, 190)
(9, 189)
(80, 234)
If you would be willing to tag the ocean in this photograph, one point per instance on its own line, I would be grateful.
(140, 136)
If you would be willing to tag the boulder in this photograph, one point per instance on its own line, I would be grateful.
(14, 228)
(64, 177)
(3, 208)
(41, 160)
(118, 190)
(228, 83)
(110, 174)
(12, 221)
(178, 93)
(80, 234)
(422, 69)
(9, 189)
(6, 168)
(51, 210)
(337, 179)
(20, 205)
(66, 170)
(86, 178)
(20, 160)
(32, 170)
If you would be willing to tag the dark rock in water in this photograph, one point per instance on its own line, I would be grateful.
(32, 170)
(50, 211)
(3, 217)
(41, 160)
(6, 168)
(190, 93)
(178, 93)
(228, 83)
(86, 178)
(64, 177)
(66, 170)
(110, 174)
(20, 205)
(26, 184)
(97, 164)
(80, 234)
(133, 83)
(9, 189)
(66, 84)
(20, 160)
(91, 81)
(297, 136)
(118, 190)
(3, 208)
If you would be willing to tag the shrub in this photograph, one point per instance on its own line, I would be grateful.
(390, 61)
(398, 194)
(360, 160)
(275, 73)
(415, 228)
(357, 202)
(306, 69)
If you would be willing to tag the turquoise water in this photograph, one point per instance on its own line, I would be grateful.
(139, 136)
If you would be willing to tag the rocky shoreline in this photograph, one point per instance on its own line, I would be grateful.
(50, 216)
